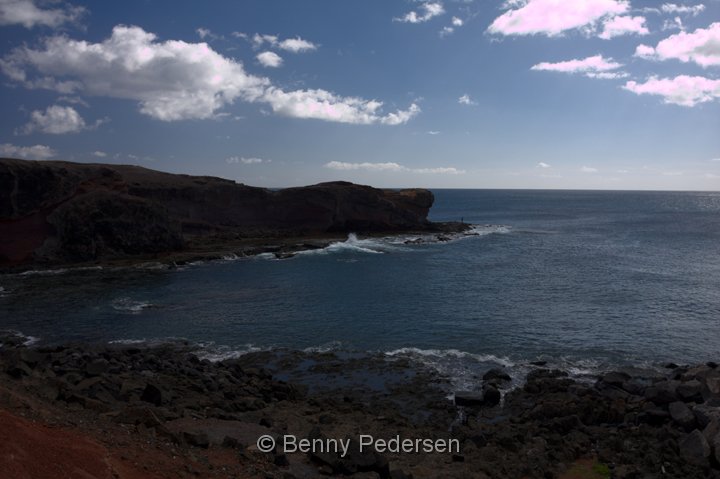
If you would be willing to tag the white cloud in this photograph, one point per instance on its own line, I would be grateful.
(99, 154)
(673, 24)
(203, 32)
(245, 161)
(588, 169)
(543, 165)
(392, 167)
(270, 59)
(466, 100)
(27, 14)
(607, 75)
(702, 47)
(644, 51)
(433, 132)
(37, 152)
(428, 11)
(73, 100)
(682, 90)
(324, 105)
(623, 25)
(446, 31)
(175, 80)
(258, 40)
(593, 67)
(715, 159)
(553, 17)
(297, 45)
(172, 80)
(456, 23)
(693, 10)
(56, 120)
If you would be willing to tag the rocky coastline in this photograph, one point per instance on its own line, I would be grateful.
(56, 214)
(128, 411)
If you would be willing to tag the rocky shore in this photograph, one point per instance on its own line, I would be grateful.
(132, 411)
(57, 213)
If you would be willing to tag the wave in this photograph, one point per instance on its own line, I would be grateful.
(128, 342)
(128, 305)
(16, 337)
(396, 243)
(222, 353)
(53, 272)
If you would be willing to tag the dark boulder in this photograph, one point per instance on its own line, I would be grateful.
(695, 449)
(496, 374)
(469, 398)
(152, 394)
(682, 415)
(491, 395)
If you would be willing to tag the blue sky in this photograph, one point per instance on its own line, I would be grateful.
(608, 94)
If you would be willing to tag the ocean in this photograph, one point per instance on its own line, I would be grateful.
(586, 280)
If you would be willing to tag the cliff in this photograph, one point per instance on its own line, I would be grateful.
(56, 211)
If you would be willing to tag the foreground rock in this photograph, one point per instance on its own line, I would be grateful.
(164, 402)
(62, 212)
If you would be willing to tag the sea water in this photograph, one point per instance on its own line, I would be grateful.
(582, 279)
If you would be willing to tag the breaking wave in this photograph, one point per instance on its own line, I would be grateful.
(128, 305)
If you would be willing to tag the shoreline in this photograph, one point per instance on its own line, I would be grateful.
(219, 248)
(145, 404)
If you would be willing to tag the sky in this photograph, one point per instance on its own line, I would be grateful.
(581, 94)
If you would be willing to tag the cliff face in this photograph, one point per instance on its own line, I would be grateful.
(62, 211)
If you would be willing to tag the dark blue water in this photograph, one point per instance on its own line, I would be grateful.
(588, 278)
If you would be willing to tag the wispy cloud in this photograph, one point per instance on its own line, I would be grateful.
(427, 11)
(594, 67)
(588, 169)
(543, 165)
(245, 161)
(693, 10)
(466, 100)
(390, 167)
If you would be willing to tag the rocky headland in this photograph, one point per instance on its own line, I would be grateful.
(166, 411)
(56, 212)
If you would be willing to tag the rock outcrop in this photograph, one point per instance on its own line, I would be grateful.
(55, 211)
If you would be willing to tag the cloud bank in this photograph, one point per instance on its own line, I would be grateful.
(175, 80)
(37, 152)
